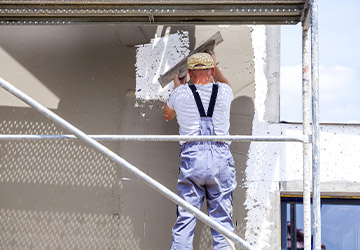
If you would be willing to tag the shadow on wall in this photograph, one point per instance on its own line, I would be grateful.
(24, 229)
(57, 162)
(55, 194)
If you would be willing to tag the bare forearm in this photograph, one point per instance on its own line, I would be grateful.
(219, 76)
(168, 113)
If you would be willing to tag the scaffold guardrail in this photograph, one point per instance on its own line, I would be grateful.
(163, 138)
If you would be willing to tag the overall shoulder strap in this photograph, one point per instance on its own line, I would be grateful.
(198, 101)
(212, 100)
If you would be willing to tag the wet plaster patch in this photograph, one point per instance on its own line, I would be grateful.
(262, 165)
(339, 159)
(154, 59)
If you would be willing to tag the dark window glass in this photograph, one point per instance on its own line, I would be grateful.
(340, 224)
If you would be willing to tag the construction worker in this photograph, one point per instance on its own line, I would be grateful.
(206, 168)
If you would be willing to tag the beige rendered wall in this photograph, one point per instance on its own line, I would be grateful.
(62, 194)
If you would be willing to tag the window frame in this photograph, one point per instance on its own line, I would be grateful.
(298, 199)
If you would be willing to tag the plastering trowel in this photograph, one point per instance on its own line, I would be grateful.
(181, 67)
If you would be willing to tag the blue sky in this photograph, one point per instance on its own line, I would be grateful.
(339, 52)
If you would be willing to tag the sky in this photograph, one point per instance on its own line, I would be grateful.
(339, 63)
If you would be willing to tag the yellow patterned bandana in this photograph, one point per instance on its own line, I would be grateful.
(200, 61)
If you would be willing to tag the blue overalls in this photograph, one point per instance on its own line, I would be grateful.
(206, 170)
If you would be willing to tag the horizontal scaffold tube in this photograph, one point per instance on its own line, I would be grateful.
(122, 162)
(232, 138)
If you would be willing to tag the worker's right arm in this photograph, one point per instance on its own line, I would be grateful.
(168, 112)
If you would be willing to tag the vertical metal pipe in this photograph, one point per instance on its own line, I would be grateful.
(293, 226)
(306, 134)
(284, 228)
(120, 161)
(315, 125)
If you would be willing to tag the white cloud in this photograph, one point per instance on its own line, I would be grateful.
(339, 92)
(291, 93)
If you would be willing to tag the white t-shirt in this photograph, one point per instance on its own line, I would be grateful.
(183, 102)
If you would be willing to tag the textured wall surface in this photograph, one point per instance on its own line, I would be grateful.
(62, 194)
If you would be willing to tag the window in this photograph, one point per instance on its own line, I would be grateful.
(340, 224)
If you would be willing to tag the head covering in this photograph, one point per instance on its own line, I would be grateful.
(200, 61)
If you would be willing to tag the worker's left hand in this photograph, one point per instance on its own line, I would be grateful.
(213, 55)
(177, 81)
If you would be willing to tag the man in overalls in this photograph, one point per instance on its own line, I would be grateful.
(206, 168)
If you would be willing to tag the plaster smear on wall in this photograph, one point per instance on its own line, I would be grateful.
(339, 155)
(154, 59)
(262, 172)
